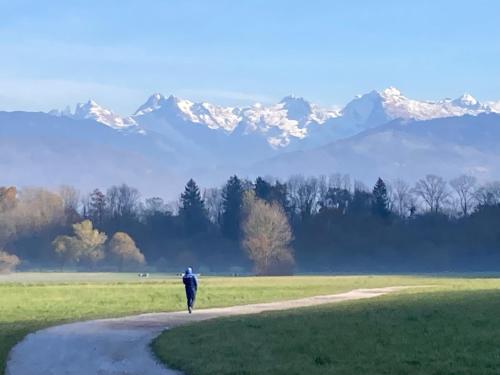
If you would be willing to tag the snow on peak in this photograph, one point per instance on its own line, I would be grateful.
(300, 109)
(289, 119)
(156, 97)
(375, 108)
(92, 110)
(278, 123)
(153, 103)
(211, 115)
(292, 118)
(466, 101)
(390, 91)
(494, 106)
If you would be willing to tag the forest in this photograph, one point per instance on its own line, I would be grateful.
(266, 226)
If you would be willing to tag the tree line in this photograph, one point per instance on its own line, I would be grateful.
(317, 224)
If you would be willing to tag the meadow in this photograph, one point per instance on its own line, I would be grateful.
(449, 329)
(29, 302)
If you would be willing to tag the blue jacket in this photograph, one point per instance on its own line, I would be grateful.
(190, 282)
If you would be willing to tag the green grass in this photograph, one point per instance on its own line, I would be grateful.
(451, 328)
(32, 301)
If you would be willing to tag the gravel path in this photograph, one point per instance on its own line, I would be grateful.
(121, 346)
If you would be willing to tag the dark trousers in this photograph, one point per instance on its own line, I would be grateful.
(190, 296)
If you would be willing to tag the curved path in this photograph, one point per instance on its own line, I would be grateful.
(121, 346)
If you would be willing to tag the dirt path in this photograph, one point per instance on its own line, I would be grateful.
(121, 346)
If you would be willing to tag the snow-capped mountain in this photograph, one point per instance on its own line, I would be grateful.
(284, 122)
(405, 149)
(210, 115)
(495, 106)
(168, 140)
(468, 102)
(292, 121)
(376, 108)
(278, 124)
(92, 110)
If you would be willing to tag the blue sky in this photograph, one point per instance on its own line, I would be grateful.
(55, 53)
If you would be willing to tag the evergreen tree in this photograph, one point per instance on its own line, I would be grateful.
(262, 189)
(380, 202)
(97, 207)
(232, 202)
(192, 209)
(276, 193)
(279, 194)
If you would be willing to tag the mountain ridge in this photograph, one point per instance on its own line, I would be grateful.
(170, 140)
(291, 120)
(403, 149)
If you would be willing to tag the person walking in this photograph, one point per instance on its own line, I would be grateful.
(191, 285)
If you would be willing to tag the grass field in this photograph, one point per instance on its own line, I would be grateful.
(451, 328)
(32, 301)
(448, 328)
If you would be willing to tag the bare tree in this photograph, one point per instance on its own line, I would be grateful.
(401, 197)
(122, 200)
(292, 186)
(8, 262)
(464, 186)
(303, 194)
(322, 190)
(338, 198)
(155, 205)
(70, 197)
(488, 194)
(433, 190)
(340, 181)
(338, 195)
(214, 204)
(122, 248)
(71, 200)
(267, 237)
(391, 202)
(360, 186)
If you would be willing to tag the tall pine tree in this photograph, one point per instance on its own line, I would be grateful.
(232, 203)
(192, 209)
(97, 207)
(380, 203)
